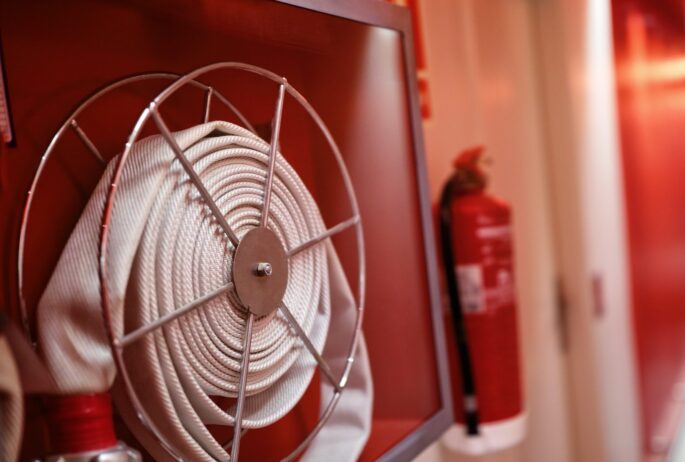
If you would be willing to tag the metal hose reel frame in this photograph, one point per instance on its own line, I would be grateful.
(119, 343)
(71, 123)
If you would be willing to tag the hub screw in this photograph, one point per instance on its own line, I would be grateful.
(264, 269)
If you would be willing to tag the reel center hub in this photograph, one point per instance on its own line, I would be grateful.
(260, 271)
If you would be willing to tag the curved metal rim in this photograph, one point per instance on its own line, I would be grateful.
(68, 122)
(115, 342)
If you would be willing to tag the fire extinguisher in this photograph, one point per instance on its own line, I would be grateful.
(476, 239)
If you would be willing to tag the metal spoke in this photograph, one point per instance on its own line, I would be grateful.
(84, 138)
(230, 443)
(340, 227)
(273, 149)
(167, 318)
(325, 368)
(208, 103)
(166, 133)
(322, 421)
(244, 368)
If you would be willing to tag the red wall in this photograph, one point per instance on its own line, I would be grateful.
(650, 63)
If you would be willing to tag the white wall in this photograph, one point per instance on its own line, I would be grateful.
(575, 45)
(485, 89)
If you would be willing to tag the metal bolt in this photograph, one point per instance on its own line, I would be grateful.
(264, 269)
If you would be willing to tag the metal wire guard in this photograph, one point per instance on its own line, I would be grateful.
(71, 123)
(120, 341)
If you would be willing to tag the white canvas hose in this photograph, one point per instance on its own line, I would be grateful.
(166, 250)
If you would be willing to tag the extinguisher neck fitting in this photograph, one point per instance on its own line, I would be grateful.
(469, 175)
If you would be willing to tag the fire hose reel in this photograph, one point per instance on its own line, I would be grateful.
(214, 272)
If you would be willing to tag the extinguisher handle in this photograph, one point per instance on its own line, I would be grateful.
(470, 402)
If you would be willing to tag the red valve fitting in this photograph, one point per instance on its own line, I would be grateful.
(80, 423)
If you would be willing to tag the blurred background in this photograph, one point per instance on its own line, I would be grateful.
(581, 106)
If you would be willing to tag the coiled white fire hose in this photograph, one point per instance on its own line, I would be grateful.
(167, 251)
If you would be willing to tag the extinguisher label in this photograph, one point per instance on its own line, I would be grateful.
(470, 281)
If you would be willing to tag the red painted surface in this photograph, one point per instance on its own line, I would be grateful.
(650, 63)
(80, 423)
(481, 234)
(419, 53)
(58, 52)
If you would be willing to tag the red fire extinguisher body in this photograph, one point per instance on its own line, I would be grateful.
(482, 246)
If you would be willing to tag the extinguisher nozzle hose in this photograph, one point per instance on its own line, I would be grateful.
(471, 414)
(470, 403)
